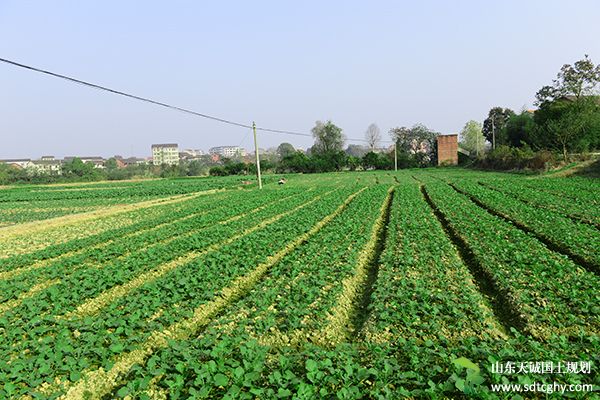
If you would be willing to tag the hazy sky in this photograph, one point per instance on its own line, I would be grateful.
(283, 64)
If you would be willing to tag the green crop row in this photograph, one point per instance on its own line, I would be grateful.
(576, 238)
(294, 292)
(74, 344)
(291, 305)
(144, 219)
(139, 190)
(550, 294)
(424, 291)
(585, 209)
(142, 249)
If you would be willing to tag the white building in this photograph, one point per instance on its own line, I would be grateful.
(18, 162)
(47, 166)
(190, 154)
(228, 151)
(167, 153)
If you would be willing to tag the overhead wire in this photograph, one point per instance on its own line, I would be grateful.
(160, 103)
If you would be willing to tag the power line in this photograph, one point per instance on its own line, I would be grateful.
(159, 103)
(99, 87)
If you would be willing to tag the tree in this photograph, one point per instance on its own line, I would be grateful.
(417, 142)
(401, 136)
(373, 136)
(285, 149)
(111, 164)
(519, 129)
(577, 80)
(353, 162)
(370, 160)
(494, 124)
(564, 130)
(4, 174)
(373, 160)
(77, 168)
(295, 162)
(195, 168)
(471, 138)
(566, 125)
(568, 117)
(328, 138)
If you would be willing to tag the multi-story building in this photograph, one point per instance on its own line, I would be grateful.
(228, 151)
(167, 153)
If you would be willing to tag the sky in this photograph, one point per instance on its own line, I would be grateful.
(282, 64)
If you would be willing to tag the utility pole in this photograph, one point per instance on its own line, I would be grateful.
(257, 158)
(395, 155)
(493, 134)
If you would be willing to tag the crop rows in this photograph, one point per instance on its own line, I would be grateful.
(579, 205)
(289, 306)
(545, 291)
(146, 249)
(179, 293)
(343, 285)
(579, 240)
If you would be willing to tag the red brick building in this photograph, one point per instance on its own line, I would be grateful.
(447, 149)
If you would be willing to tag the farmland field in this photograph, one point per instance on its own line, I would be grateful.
(417, 283)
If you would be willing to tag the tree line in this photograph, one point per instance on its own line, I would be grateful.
(565, 122)
(416, 147)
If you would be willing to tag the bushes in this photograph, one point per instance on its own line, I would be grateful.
(507, 158)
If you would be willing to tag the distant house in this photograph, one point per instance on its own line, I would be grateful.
(21, 163)
(44, 165)
(47, 165)
(227, 151)
(190, 154)
(125, 162)
(167, 153)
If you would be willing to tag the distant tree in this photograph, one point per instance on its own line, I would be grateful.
(568, 118)
(373, 136)
(401, 136)
(76, 168)
(4, 174)
(567, 126)
(370, 160)
(577, 80)
(519, 129)
(422, 138)
(373, 160)
(296, 162)
(564, 130)
(353, 162)
(285, 149)
(471, 138)
(356, 150)
(328, 138)
(494, 124)
(217, 171)
(417, 142)
(195, 168)
(111, 164)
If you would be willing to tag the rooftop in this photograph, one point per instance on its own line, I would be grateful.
(165, 145)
